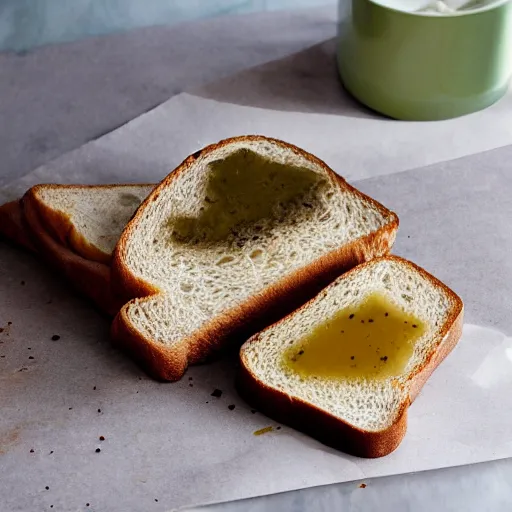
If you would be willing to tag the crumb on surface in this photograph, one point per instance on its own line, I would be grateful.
(362, 486)
(231, 407)
(263, 430)
(55, 337)
(102, 438)
(217, 393)
(98, 450)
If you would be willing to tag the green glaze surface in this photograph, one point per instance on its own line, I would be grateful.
(424, 67)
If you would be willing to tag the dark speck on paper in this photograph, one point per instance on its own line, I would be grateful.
(55, 337)
(217, 393)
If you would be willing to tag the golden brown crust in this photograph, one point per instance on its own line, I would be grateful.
(259, 311)
(59, 224)
(318, 423)
(158, 362)
(11, 225)
(331, 430)
(90, 278)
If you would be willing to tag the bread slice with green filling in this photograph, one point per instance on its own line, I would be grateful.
(345, 367)
(240, 234)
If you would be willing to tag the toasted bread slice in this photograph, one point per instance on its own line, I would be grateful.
(240, 234)
(359, 409)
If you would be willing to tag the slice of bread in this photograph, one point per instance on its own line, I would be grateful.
(240, 234)
(86, 219)
(75, 229)
(366, 414)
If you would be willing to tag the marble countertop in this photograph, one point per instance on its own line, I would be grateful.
(57, 98)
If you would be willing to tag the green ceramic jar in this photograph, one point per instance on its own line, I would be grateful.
(418, 66)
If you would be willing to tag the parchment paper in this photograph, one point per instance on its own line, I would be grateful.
(177, 444)
(298, 99)
(164, 441)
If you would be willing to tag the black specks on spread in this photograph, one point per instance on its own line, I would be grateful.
(98, 450)
(351, 316)
(55, 337)
(217, 393)
(231, 407)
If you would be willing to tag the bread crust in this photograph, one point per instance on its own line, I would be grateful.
(259, 311)
(59, 224)
(90, 278)
(333, 431)
(11, 225)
